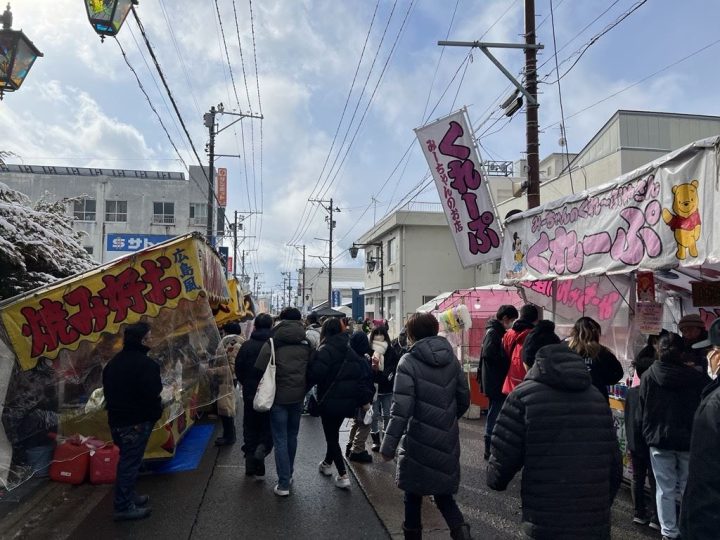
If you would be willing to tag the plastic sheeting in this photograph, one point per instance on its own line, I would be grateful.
(51, 361)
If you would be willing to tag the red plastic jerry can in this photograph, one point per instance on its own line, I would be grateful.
(70, 462)
(103, 464)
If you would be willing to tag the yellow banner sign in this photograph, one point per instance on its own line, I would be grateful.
(123, 292)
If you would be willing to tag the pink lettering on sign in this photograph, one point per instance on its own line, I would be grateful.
(578, 297)
(565, 253)
(465, 179)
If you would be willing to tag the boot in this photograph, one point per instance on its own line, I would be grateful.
(376, 441)
(250, 465)
(461, 533)
(486, 455)
(412, 534)
(361, 457)
(228, 437)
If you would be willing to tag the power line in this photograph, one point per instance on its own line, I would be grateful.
(147, 97)
(257, 84)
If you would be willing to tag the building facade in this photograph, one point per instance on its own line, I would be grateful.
(420, 262)
(344, 281)
(120, 211)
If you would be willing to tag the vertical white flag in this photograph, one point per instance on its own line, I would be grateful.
(453, 159)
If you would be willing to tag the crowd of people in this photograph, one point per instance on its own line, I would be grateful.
(548, 415)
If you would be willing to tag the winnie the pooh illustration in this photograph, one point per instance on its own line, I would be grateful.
(684, 219)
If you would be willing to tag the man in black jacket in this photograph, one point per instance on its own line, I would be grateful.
(669, 396)
(256, 425)
(132, 386)
(700, 519)
(494, 365)
(557, 427)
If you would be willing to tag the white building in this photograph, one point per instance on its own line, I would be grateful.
(344, 281)
(120, 211)
(420, 262)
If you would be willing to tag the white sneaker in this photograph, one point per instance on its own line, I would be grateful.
(325, 469)
(281, 492)
(343, 482)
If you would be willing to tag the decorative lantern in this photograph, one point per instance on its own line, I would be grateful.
(17, 55)
(108, 16)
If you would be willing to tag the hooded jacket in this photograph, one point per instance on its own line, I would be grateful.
(292, 353)
(431, 393)
(342, 377)
(558, 428)
(669, 396)
(513, 341)
(542, 334)
(245, 371)
(132, 386)
(494, 363)
(700, 519)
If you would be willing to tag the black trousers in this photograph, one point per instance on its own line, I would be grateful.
(642, 469)
(445, 503)
(331, 427)
(256, 429)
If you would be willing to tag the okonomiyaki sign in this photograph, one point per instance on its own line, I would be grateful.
(658, 219)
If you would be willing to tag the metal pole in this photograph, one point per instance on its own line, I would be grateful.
(533, 143)
(211, 184)
(242, 269)
(235, 246)
(302, 291)
(382, 282)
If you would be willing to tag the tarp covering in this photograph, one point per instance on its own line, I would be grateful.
(55, 341)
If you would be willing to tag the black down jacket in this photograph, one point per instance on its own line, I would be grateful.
(558, 428)
(494, 363)
(245, 371)
(342, 376)
(431, 393)
(700, 519)
(669, 396)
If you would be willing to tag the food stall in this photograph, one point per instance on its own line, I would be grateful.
(581, 254)
(55, 341)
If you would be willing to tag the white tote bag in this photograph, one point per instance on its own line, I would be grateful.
(265, 395)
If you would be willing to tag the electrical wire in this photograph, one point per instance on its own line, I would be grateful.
(147, 97)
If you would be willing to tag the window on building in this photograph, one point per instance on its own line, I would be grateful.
(391, 251)
(164, 213)
(84, 210)
(426, 298)
(115, 210)
(495, 269)
(390, 306)
(368, 301)
(198, 214)
(89, 249)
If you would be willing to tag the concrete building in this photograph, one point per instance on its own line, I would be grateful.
(420, 262)
(345, 280)
(120, 211)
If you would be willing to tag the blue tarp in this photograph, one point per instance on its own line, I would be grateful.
(188, 453)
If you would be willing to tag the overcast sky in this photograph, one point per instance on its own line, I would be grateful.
(81, 105)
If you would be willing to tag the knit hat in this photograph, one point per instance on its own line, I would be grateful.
(543, 334)
(359, 343)
(691, 320)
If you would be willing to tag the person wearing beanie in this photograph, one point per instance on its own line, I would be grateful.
(692, 329)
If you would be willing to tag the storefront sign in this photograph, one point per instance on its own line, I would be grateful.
(134, 242)
(705, 293)
(649, 317)
(450, 151)
(645, 283)
(659, 216)
(102, 300)
(222, 187)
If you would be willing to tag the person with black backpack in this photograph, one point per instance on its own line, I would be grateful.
(342, 386)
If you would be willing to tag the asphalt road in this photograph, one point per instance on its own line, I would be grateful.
(217, 501)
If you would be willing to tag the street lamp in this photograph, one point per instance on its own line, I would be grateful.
(17, 55)
(371, 265)
(107, 16)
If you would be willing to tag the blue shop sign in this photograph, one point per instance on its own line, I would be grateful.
(134, 242)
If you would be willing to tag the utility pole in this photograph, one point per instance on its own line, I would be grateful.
(330, 208)
(531, 126)
(209, 121)
(235, 229)
(301, 284)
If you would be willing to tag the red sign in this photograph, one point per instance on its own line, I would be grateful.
(229, 264)
(222, 187)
